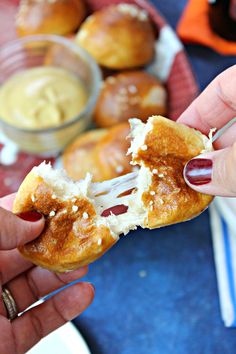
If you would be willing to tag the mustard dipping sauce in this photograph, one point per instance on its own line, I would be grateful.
(41, 97)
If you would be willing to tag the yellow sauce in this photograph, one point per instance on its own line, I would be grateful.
(41, 97)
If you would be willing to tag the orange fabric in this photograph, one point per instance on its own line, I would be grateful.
(193, 27)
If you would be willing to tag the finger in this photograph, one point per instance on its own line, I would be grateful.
(18, 230)
(12, 264)
(215, 106)
(213, 173)
(7, 201)
(227, 139)
(43, 319)
(37, 282)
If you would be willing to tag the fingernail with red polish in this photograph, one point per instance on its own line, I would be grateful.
(30, 216)
(198, 171)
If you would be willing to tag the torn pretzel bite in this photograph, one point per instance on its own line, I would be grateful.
(72, 236)
(164, 147)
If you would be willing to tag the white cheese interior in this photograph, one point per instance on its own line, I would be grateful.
(104, 195)
(108, 194)
(139, 131)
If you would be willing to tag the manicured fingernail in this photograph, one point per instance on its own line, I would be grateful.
(198, 171)
(30, 216)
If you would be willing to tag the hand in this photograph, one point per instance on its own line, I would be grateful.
(215, 172)
(28, 283)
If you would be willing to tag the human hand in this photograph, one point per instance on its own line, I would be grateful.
(27, 283)
(214, 172)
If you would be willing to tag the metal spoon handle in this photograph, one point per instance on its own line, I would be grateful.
(223, 130)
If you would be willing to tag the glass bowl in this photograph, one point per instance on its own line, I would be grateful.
(50, 50)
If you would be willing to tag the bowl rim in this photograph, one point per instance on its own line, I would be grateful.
(96, 74)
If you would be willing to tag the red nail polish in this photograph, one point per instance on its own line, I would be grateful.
(198, 171)
(30, 216)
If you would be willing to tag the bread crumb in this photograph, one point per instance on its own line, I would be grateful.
(119, 169)
(85, 215)
(161, 175)
(64, 211)
(154, 171)
(75, 208)
(144, 147)
(152, 192)
(151, 202)
(142, 273)
(33, 198)
(52, 213)
(161, 201)
(54, 196)
(99, 242)
(73, 200)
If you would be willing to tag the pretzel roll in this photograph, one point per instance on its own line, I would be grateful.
(162, 148)
(130, 94)
(110, 152)
(118, 36)
(79, 158)
(49, 16)
(72, 236)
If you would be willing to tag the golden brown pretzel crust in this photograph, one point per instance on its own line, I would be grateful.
(169, 147)
(60, 17)
(69, 241)
(110, 152)
(117, 40)
(129, 94)
(79, 157)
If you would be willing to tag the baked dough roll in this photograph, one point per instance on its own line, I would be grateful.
(59, 17)
(162, 148)
(118, 36)
(72, 236)
(111, 152)
(84, 219)
(79, 157)
(101, 152)
(129, 94)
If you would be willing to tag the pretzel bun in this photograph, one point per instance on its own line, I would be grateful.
(118, 36)
(72, 236)
(79, 157)
(77, 231)
(110, 152)
(163, 147)
(129, 94)
(49, 16)
(101, 152)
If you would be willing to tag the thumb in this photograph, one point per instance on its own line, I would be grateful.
(213, 173)
(16, 230)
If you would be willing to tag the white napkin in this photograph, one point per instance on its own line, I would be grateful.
(223, 227)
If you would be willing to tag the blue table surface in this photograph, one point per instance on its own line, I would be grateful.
(174, 308)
